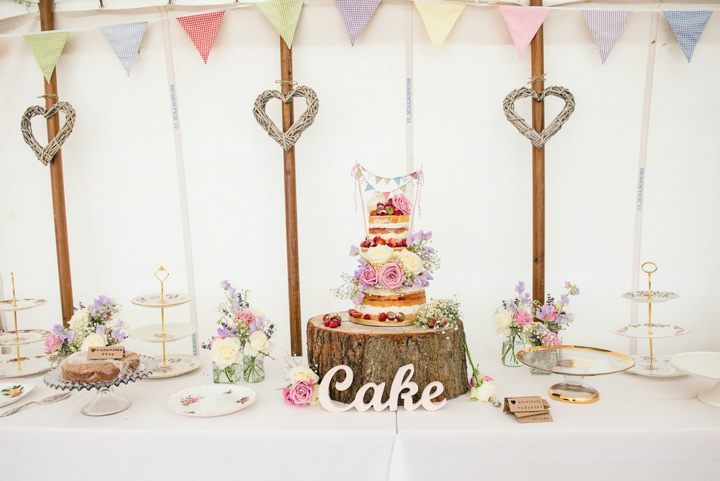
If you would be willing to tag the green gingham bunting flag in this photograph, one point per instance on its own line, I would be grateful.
(47, 47)
(284, 16)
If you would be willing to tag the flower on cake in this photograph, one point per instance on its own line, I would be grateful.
(391, 275)
(402, 204)
(303, 386)
(94, 325)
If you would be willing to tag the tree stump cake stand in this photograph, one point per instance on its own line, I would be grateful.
(376, 353)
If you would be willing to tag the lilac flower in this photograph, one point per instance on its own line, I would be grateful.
(354, 251)
(564, 299)
(520, 287)
(430, 250)
(67, 336)
(225, 284)
(568, 285)
(512, 307)
(57, 329)
(100, 330)
(223, 331)
(546, 313)
(413, 239)
(422, 280)
(359, 298)
(427, 235)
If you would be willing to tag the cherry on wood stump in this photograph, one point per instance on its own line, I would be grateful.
(376, 353)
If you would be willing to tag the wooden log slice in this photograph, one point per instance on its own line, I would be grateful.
(376, 353)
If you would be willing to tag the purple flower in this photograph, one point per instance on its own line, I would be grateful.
(520, 287)
(225, 284)
(67, 336)
(118, 334)
(100, 330)
(57, 329)
(224, 332)
(564, 299)
(354, 251)
(422, 280)
(359, 298)
(414, 238)
(568, 285)
(430, 250)
(546, 313)
(427, 235)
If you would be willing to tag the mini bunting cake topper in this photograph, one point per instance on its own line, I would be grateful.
(288, 139)
(47, 154)
(539, 139)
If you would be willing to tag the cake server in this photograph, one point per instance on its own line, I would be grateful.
(47, 400)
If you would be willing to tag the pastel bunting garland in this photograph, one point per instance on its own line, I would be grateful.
(125, 41)
(688, 26)
(606, 27)
(439, 19)
(355, 15)
(284, 16)
(523, 23)
(202, 30)
(47, 47)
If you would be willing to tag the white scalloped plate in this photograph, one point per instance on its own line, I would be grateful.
(211, 400)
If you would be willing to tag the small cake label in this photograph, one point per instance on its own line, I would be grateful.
(528, 409)
(106, 352)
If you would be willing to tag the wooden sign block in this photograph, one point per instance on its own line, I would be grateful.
(106, 352)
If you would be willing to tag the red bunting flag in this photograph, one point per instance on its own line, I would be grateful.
(202, 30)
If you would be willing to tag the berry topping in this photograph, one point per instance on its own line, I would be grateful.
(404, 242)
(353, 313)
(392, 242)
(333, 325)
(366, 317)
(400, 316)
(382, 212)
(364, 244)
(391, 316)
(327, 323)
(432, 322)
(372, 213)
(382, 317)
(380, 205)
(381, 242)
(326, 317)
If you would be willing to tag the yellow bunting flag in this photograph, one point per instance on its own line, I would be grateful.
(439, 19)
(47, 48)
(284, 16)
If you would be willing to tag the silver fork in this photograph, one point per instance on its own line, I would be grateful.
(47, 400)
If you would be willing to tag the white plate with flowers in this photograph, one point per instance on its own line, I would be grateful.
(168, 300)
(211, 400)
(11, 392)
(654, 296)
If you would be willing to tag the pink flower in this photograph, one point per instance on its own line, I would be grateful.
(523, 318)
(391, 275)
(402, 204)
(246, 316)
(551, 339)
(368, 276)
(52, 343)
(299, 394)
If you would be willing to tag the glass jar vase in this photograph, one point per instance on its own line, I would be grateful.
(227, 375)
(510, 347)
(254, 368)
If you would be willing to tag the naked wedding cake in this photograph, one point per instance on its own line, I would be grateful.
(78, 368)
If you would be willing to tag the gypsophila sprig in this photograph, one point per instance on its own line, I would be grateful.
(438, 314)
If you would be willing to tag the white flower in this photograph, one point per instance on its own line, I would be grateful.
(483, 392)
(225, 351)
(502, 320)
(411, 261)
(372, 203)
(303, 373)
(258, 343)
(257, 313)
(315, 400)
(93, 340)
(80, 319)
(379, 254)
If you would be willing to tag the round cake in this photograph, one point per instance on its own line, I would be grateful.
(77, 367)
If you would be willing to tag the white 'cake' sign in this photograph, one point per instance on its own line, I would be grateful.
(402, 387)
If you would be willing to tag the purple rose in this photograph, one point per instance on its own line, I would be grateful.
(391, 275)
(402, 204)
(368, 276)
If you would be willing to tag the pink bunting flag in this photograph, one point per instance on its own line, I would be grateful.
(523, 23)
(356, 14)
(202, 30)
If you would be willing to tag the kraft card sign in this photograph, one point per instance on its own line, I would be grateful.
(47, 154)
(287, 139)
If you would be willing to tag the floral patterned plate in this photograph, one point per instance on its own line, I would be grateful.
(154, 333)
(20, 304)
(657, 296)
(175, 365)
(661, 366)
(153, 300)
(29, 365)
(11, 392)
(659, 331)
(210, 400)
(24, 336)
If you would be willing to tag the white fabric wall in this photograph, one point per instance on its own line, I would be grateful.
(123, 203)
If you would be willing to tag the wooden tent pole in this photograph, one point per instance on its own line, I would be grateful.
(57, 182)
(291, 207)
(538, 156)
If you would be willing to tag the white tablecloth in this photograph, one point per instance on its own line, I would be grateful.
(642, 428)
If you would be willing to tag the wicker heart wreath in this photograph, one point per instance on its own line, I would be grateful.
(289, 138)
(47, 154)
(539, 139)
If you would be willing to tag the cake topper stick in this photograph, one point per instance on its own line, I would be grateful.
(14, 303)
(417, 196)
(649, 273)
(162, 279)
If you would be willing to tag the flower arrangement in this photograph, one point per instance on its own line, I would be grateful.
(482, 388)
(94, 325)
(382, 267)
(243, 335)
(303, 387)
(438, 314)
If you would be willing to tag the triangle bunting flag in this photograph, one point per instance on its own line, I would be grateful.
(47, 47)
(284, 16)
(202, 29)
(439, 19)
(606, 27)
(688, 26)
(356, 14)
(125, 41)
(523, 23)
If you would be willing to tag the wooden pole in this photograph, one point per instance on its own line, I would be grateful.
(291, 207)
(538, 123)
(57, 182)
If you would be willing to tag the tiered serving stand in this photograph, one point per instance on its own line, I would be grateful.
(652, 365)
(18, 366)
(174, 364)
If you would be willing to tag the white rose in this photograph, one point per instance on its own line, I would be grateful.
(502, 319)
(257, 313)
(225, 351)
(315, 400)
(372, 203)
(483, 392)
(79, 320)
(257, 343)
(93, 340)
(411, 261)
(379, 254)
(303, 373)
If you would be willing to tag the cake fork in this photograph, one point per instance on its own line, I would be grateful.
(47, 400)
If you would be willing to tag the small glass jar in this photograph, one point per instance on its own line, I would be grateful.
(510, 347)
(227, 375)
(254, 368)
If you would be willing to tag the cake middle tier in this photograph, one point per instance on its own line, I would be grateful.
(406, 300)
(389, 226)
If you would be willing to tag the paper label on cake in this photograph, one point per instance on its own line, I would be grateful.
(106, 352)
(525, 404)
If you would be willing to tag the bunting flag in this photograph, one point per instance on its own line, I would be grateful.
(439, 19)
(202, 29)
(125, 41)
(284, 16)
(523, 23)
(688, 26)
(47, 48)
(385, 185)
(606, 27)
(356, 14)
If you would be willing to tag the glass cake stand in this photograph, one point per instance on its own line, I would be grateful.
(574, 362)
(106, 402)
(174, 364)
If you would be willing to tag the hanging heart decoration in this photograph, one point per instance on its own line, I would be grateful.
(288, 139)
(539, 139)
(47, 154)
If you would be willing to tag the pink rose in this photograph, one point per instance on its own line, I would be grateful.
(523, 318)
(246, 316)
(51, 343)
(402, 204)
(368, 276)
(551, 339)
(299, 394)
(391, 275)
